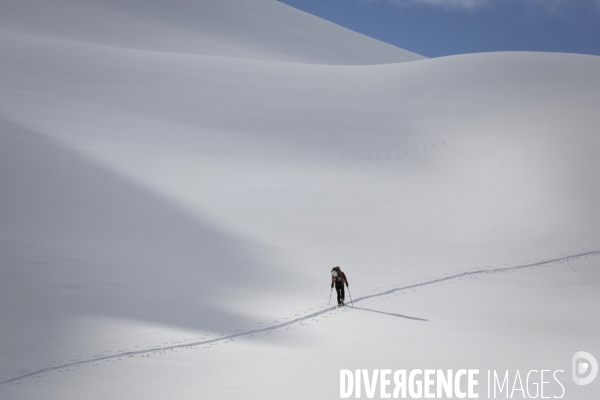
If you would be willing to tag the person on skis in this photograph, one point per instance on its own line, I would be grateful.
(338, 278)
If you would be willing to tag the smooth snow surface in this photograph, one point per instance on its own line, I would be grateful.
(173, 172)
(253, 29)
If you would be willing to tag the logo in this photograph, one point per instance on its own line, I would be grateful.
(585, 368)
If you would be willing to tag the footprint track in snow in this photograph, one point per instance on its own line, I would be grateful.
(300, 317)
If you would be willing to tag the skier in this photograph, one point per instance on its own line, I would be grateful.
(338, 278)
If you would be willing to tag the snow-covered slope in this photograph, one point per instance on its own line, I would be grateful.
(164, 176)
(256, 29)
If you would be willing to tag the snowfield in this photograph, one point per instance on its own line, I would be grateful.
(178, 178)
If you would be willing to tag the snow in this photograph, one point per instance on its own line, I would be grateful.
(173, 170)
(249, 29)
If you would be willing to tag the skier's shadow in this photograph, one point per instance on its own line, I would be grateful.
(393, 315)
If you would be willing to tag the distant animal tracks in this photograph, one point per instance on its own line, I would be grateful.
(359, 158)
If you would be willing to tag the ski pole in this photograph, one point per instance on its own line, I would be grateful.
(330, 296)
(352, 301)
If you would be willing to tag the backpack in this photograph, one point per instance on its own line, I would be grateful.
(336, 275)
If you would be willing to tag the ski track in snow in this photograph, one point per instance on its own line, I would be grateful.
(142, 352)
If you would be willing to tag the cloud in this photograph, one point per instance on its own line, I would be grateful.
(469, 4)
(475, 4)
(460, 4)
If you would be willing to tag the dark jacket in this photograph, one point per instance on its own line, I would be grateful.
(342, 280)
